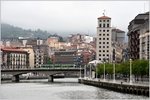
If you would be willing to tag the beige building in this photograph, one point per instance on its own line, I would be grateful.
(31, 56)
(14, 58)
(103, 45)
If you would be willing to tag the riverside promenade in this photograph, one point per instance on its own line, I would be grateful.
(124, 87)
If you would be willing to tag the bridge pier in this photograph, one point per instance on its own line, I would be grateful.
(15, 78)
(50, 78)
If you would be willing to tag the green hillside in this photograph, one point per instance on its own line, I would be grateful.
(9, 31)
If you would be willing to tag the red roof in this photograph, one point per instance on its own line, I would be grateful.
(14, 50)
(104, 17)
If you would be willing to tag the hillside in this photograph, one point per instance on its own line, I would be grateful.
(10, 31)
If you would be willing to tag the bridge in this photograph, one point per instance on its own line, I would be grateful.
(50, 72)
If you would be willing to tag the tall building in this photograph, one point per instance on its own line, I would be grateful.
(103, 45)
(138, 37)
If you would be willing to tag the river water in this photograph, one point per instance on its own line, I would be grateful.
(61, 89)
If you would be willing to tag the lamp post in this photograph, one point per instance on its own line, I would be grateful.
(95, 69)
(130, 71)
(114, 71)
(114, 64)
(104, 70)
(84, 71)
(80, 72)
(90, 72)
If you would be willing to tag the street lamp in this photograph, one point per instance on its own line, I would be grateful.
(80, 72)
(114, 64)
(114, 71)
(95, 69)
(130, 71)
(104, 70)
(84, 71)
(90, 72)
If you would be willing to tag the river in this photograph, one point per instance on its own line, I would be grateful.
(60, 89)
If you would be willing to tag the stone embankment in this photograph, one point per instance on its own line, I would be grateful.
(118, 87)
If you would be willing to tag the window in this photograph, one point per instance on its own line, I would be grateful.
(100, 25)
(103, 34)
(107, 42)
(107, 50)
(107, 34)
(103, 50)
(103, 46)
(103, 25)
(107, 30)
(99, 34)
(99, 20)
(99, 46)
(99, 42)
(103, 54)
(99, 58)
(107, 25)
(107, 54)
(103, 20)
(103, 38)
(103, 30)
(99, 54)
(103, 42)
(100, 30)
(99, 50)
(99, 38)
(107, 46)
(107, 38)
(107, 20)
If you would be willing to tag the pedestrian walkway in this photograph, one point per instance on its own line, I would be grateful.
(120, 82)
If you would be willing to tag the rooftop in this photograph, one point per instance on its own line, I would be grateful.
(13, 50)
(118, 30)
(104, 17)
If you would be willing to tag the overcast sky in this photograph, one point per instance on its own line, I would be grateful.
(67, 17)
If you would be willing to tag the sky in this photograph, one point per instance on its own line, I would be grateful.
(70, 17)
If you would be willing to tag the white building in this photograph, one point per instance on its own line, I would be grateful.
(88, 39)
(103, 45)
(144, 41)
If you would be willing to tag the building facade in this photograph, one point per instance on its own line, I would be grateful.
(118, 35)
(64, 57)
(41, 55)
(15, 59)
(31, 55)
(144, 41)
(138, 36)
(103, 45)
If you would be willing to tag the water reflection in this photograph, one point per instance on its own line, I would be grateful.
(61, 89)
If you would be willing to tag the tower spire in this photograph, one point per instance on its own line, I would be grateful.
(104, 12)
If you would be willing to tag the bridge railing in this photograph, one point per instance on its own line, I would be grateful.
(41, 68)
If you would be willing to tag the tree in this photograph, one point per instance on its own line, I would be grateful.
(100, 69)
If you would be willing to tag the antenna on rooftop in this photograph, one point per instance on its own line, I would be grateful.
(104, 12)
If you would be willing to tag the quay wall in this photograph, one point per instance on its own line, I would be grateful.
(124, 88)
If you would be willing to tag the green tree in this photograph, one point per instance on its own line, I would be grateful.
(100, 69)
(109, 68)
